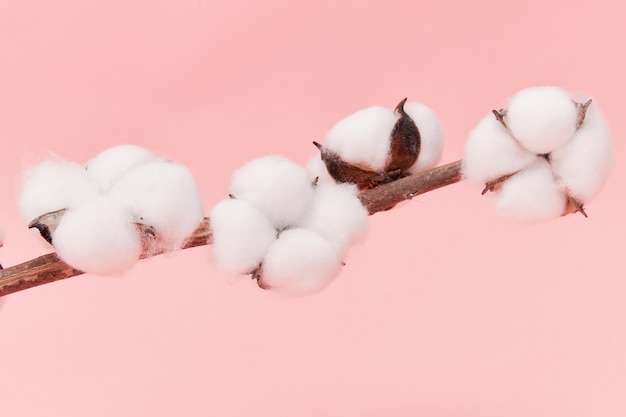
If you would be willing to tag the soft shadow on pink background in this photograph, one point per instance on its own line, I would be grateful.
(446, 310)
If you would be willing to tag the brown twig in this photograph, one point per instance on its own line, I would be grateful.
(49, 268)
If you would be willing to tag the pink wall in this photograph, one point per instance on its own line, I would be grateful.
(446, 310)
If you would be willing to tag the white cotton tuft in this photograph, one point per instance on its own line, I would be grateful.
(431, 135)
(108, 166)
(300, 262)
(337, 215)
(491, 152)
(585, 162)
(278, 187)
(542, 118)
(53, 185)
(242, 235)
(363, 138)
(317, 169)
(163, 195)
(531, 195)
(98, 237)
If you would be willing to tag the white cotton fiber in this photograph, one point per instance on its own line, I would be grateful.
(531, 195)
(542, 118)
(163, 195)
(53, 185)
(363, 138)
(337, 215)
(491, 152)
(585, 162)
(431, 136)
(242, 236)
(299, 262)
(110, 165)
(278, 187)
(98, 237)
(317, 169)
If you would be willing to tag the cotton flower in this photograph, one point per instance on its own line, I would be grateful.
(276, 186)
(545, 155)
(53, 185)
(300, 262)
(242, 235)
(98, 237)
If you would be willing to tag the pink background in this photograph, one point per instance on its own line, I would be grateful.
(446, 310)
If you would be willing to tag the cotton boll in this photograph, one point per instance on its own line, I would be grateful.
(242, 236)
(53, 185)
(363, 137)
(337, 215)
(585, 162)
(110, 165)
(531, 195)
(429, 127)
(300, 262)
(491, 153)
(163, 195)
(542, 118)
(278, 187)
(98, 237)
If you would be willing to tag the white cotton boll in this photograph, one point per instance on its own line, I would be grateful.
(542, 118)
(242, 235)
(108, 166)
(491, 152)
(165, 196)
(300, 262)
(431, 136)
(585, 162)
(531, 195)
(278, 187)
(98, 237)
(53, 185)
(337, 215)
(363, 138)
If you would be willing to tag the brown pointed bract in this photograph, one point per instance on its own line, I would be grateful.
(343, 171)
(405, 142)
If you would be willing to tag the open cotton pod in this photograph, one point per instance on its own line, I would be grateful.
(546, 154)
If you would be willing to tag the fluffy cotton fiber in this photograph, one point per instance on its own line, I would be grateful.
(491, 152)
(276, 186)
(363, 137)
(163, 195)
(242, 235)
(53, 185)
(98, 237)
(111, 164)
(542, 118)
(531, 195)
(300, 262)
(586, 161)
(337, 215)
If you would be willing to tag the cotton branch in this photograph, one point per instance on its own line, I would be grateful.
(49, 268)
